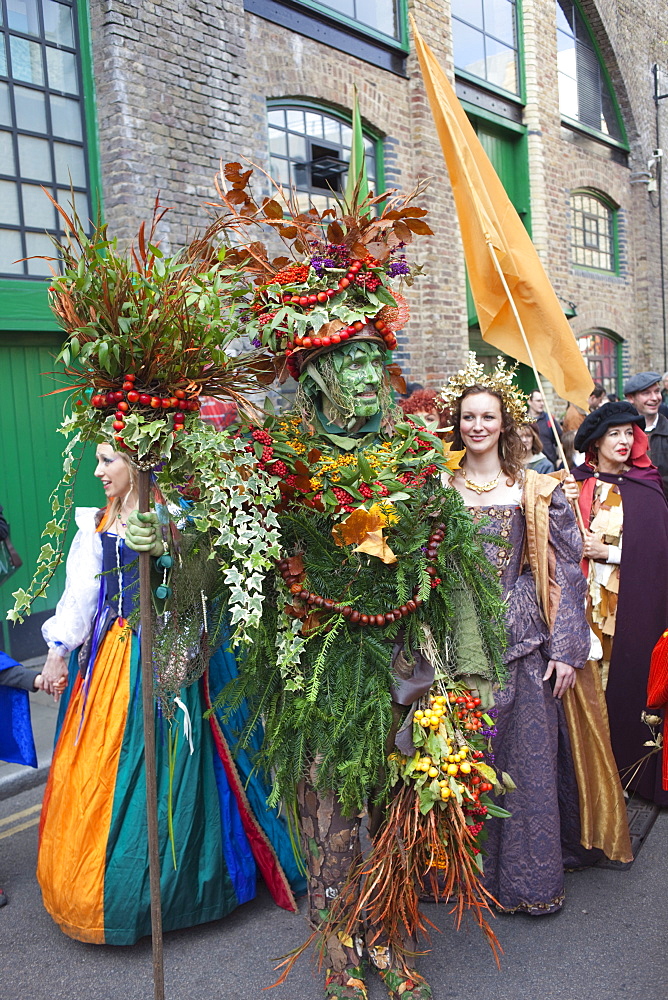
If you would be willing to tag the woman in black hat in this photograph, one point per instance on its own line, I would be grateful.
(626, 554)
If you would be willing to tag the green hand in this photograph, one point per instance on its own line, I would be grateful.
(142, 533)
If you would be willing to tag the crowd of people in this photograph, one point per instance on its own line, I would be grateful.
(578, 620)
(571, 546)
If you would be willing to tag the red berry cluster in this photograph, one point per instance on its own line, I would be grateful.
(128, 396)
(345, 499)
(295, 274)
(417, 479)
(262, 437)
(369, 282)
(469, 712)
(479, 809)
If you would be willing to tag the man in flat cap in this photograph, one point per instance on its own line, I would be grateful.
(644, 392)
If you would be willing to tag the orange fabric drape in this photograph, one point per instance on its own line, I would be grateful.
(77, 808)
(602, 807)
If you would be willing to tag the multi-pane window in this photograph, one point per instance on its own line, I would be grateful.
(381, 15)
(584, 92)
(592, 232)
(484, 39)
(310, 151)
(41, 129)
(601, 354)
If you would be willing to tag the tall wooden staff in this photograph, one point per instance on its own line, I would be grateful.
(148, 705)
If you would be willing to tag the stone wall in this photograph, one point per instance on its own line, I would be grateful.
(183, 84)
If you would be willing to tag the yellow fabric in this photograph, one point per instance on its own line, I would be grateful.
(486, 213)
(602, 807)
(79, 796)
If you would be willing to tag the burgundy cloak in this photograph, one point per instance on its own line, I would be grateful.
(642, 616)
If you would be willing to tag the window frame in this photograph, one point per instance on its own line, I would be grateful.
(313, 20)
(608, 203)
(573, 123)
(508, 95)
(321, 108)
(23, 302)
(618, 344)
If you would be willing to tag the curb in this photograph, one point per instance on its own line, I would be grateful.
(23, 781)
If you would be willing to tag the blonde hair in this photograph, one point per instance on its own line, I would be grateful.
(114, 505)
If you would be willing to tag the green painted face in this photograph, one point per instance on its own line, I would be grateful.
(360, 377)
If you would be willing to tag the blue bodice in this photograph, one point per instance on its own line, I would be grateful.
(120, 573)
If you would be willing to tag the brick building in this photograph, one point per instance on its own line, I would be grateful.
(123, 100)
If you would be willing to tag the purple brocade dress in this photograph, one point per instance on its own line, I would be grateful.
(525, 855)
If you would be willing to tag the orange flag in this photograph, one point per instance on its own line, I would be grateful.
(487, 216)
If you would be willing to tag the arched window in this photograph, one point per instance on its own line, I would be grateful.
(585, 94)
(310, 149)
(42, 129)
(485, 41)
(593, 231)
(601, 351)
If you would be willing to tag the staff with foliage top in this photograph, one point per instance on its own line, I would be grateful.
(145, 336)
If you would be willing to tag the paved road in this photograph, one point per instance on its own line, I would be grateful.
(609, 943)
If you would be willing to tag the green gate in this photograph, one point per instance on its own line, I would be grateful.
(31, 451)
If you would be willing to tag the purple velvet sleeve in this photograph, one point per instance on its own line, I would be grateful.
(570, 637)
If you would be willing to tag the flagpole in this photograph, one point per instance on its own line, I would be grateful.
(557, 440)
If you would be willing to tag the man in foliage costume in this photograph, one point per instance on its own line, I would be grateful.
(337, 681)
(381, 600)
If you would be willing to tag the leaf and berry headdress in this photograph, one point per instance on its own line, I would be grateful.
(336, 285)
(147, 335)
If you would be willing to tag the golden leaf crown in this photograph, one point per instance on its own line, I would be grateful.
(499, 380)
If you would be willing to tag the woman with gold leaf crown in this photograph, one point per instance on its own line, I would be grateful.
(552, 732)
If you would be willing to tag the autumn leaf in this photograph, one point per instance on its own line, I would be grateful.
(375, 545)
(334, 233)
(312, 622)
(397, 380)
(356, 527)
(386, 515)
(452, 458)
(272, 209)
(296, 565)
(419, 227)
(402, 232)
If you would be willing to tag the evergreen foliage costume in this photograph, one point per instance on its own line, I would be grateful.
(381, 604)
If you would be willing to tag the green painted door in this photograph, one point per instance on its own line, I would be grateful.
(31, 452)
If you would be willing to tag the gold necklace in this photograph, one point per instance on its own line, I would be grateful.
(482, 487)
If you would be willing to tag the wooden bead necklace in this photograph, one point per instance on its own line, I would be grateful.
(296, 587)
